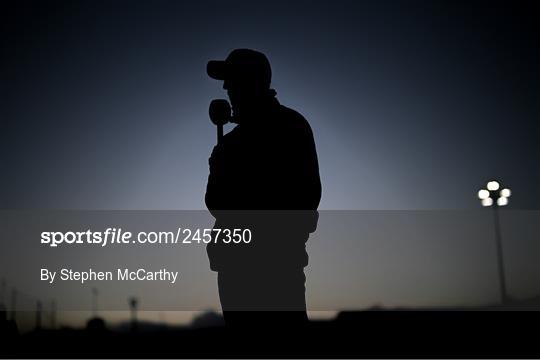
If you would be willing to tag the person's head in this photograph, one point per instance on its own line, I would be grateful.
(246, 76)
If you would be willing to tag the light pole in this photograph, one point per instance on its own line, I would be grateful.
(133, 304)
(487, 196)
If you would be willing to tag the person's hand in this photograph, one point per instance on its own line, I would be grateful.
(217, 160)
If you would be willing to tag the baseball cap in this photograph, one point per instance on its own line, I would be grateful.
(242, 65)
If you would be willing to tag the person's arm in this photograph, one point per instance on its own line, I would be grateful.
(306, 181)
(215, 186)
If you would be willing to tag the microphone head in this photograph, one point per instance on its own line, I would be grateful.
(220, 111)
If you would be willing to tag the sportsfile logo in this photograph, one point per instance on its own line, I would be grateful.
(121, 237)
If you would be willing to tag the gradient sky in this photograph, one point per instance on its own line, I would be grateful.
(413, 104)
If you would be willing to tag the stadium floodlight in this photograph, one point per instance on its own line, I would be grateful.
(506, 193)
(492, 197)
(493, 185)
(483, 194)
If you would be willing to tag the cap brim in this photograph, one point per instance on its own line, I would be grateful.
(217, 69)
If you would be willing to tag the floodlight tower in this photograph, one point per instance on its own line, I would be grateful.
(493, 196)
(133, 304)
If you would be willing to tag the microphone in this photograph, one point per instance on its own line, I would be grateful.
(220, 114)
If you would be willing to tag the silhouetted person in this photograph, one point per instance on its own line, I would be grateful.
(264, 175)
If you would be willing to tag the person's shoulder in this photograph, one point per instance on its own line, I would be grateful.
(291, 113)
(293, 119)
